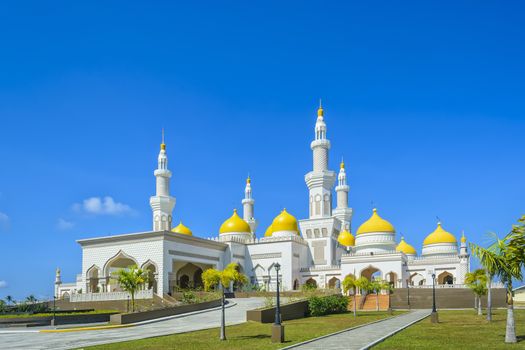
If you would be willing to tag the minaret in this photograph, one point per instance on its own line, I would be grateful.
(58, 282)
(248, 206)
(162, 203)
(320, 180)
(343, 212)
(464, 260)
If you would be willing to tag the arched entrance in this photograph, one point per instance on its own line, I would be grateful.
(151, 270)
(311, 283)
(296, 284)
(391, 278)
(184, 282)
(93, 279)
(334, 283)
(120, 261)
(197, 279)
(371, 273)
(445, 278)
(416, 279)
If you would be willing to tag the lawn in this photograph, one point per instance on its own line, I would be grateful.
(458, 330)
(251, 335)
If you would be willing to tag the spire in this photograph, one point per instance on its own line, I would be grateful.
(163, 145)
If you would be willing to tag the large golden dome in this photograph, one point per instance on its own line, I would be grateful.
(375, 224)
(235, 224)
(183, 230)
(346, 238)
(405, 247)
(269, 231)
(285, 222)
(440, 236)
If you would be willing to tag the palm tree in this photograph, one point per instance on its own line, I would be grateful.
(363, 285)
(31, 299)
(376, 286)
(131, 280)
(9, 299)
(477, 282)
(388, 287)
(213, 278)
(349, 284)
(506, 257)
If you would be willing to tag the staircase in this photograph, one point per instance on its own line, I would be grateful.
(446, 298)
(368, 302)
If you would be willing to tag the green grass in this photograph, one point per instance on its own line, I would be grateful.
(251, 335)
(58, 313)
(462, 329)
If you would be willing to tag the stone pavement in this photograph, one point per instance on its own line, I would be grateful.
(365, 336)
(33, 340)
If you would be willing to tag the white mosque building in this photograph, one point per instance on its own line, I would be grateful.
(318, 250)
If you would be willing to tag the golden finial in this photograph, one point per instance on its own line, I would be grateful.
(342, 163)
(163, 145)
(463, 238)
(320, 110)
(248, 180)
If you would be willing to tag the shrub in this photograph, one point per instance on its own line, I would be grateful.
(189, 297)
(332, 304)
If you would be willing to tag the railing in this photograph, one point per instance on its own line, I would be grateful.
(141, 294)
(429, 286)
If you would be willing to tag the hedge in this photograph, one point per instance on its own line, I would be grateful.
(332, 304)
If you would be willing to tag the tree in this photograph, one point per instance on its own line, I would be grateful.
(376, 286)
(477, 282)
(349, 284)
(363, 285)
(213, 278)
(506, 257)
(31, 299)
(387, 286)
(9, 299)
(132, 280)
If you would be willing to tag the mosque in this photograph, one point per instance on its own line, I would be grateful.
(319, 250)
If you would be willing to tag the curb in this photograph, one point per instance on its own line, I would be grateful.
(80, 329)
(338, 332)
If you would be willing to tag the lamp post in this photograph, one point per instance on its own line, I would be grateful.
(408, 293)
(277, 328)
(54, 310)
(223, 314)
(434, 315)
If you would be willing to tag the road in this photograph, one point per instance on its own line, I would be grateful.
(32, 339)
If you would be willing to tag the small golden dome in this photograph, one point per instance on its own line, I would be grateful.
(346, 238)
(320, 112)
(342, 165)
(248, 180)
(375, 224)
(183, 230)
(463, 238)
(235, 224)
(269, 231)
(163, 146)
(440, 236)
(405, 247)
(284, 222)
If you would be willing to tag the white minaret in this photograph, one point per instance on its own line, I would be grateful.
(320, 180)
(343, 212)
(162, 203)
(248, 206)
(464, 260)
(58, 282)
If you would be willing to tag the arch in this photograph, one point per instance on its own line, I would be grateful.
(311, 283)
(65, 296)
(119, 260)
(326, 205)
(317, 205)
(391, 278)
(445, 277)
(371, 272)
(334, 282)
(93, 278)
(197, 279)
(296, 284)
(188, 270)
(416, 279)
(151, 268)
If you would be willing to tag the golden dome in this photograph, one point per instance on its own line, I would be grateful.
(183, 230)
(405, 247)
(342, 165)
(440, 236)
(376, 224)
(248, 180)
(235, 224)
(269, 231)
(284, 222)
(463, 238)
(320, 112)
(346, 238)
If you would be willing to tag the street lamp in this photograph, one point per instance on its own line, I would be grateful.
(408, 293)
(54, 310)
(434, 315)
(277, 328)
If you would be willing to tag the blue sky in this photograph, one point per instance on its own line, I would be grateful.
(423, 99)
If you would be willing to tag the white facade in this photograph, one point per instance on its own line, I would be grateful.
(308, 250)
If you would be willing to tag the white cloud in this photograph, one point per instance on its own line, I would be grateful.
(3, 284)
(102, 206)
(4, 221)
(64, 225)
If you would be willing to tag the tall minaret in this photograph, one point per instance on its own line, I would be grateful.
(162, 203)
(464, 260)
(58, 282)
(343, 212)
(320, 180)
(248, 206)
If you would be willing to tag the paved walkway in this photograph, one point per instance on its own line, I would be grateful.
(34, 340)
(365, 336)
